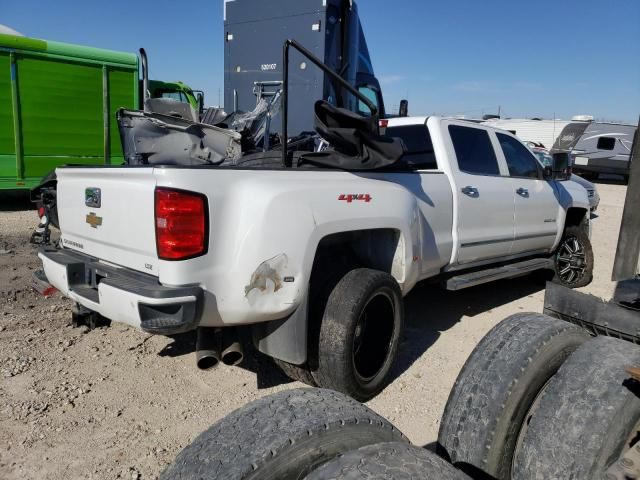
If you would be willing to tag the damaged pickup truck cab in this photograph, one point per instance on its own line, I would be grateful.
(311, 260)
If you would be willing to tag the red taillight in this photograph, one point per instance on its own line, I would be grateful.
(383, 126)
(181, 224)
(41, 212)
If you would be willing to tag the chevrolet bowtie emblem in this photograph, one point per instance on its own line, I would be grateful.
(93, 220)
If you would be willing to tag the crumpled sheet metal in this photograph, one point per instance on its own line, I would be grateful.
(156, 139)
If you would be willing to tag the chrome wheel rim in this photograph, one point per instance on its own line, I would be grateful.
(571, 260)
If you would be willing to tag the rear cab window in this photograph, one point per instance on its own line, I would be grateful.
(474, 150)
(416, 139)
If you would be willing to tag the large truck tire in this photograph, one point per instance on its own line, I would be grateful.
(360, 332)
(587, 417)
(573, 260)
(492, 398)
(387, 461)
(282, 436)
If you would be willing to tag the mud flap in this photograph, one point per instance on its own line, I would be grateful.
(284, 339)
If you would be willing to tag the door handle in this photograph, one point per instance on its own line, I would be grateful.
(471, 191)
(523, 192)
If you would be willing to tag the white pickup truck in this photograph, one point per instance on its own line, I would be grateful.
(313, 262)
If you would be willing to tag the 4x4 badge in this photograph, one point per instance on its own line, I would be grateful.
(92, 197)
(93, 220)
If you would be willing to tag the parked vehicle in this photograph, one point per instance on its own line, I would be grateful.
(254, 34)
(58, 104)
(542, 132)
(546, 160)
(598, 147)
(316, 268)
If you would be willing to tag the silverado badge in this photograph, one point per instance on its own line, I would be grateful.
(92, 197)
(93, 220)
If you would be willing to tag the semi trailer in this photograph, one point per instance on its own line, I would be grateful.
(58, 104)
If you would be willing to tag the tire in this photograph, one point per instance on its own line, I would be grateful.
(353, 357)
(586, 415)
(331, 267)
(387, 461)
(282, 436)
(493, 395)
(298, 373)
(580, 263)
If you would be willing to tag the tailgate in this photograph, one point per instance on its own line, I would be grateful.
(108, 213)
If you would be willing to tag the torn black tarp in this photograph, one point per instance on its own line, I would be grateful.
(356, 143)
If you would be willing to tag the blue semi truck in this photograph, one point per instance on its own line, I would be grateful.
(254, 34)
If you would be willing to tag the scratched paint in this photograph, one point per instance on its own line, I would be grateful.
(267, 278)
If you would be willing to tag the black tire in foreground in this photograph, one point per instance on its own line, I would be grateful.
(359, 334)
(587, 416)
(573, 260)
(492, 398)
(283, 436)
(387, 461)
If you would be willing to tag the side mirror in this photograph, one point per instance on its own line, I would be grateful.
(404, 108)
(200, 99)
(561, 167)
(547, 173)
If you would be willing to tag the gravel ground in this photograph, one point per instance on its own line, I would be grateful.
(116, 403)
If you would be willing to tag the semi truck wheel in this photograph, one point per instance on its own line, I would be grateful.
(492, 398)
(587, 417)
(280, 437)
(573, 260)
(359, 335)
(387, 461)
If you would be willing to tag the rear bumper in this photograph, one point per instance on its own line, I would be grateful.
(123, 295)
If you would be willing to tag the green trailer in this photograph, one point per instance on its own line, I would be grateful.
(58, 103)
(57, 106)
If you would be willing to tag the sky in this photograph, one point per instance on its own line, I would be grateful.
(543, 58)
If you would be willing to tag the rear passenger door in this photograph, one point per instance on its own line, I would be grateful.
(536, 206)
(485, 207)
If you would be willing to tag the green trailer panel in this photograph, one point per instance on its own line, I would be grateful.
(60, 108)
(7, 139)
(120, 94)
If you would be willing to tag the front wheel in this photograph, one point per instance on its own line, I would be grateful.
(359, 334)
(573, 260)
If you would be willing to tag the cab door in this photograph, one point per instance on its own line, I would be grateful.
(485, 203)
(537, 209)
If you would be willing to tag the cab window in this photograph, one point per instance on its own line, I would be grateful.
(179, 96)
(520, 160)
(370, 94)
(418, 149)
(474, 150)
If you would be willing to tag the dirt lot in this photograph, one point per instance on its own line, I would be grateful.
(116, 403)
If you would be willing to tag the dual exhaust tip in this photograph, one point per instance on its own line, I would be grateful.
(215, 345)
